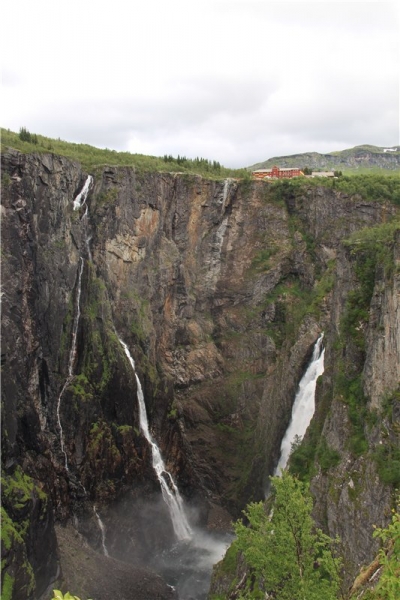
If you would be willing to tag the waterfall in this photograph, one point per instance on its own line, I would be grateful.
(85, 221)
(78, 203)
(102, 530)
(72, 353)
(214, 268)
(225, 192)
(219, 240)
(304, 404)
(72, 356)
(81, 197)
(169, 490)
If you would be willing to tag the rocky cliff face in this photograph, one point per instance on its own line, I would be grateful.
(351, 450)
(357, 401)
(219, 289)
(362, 425)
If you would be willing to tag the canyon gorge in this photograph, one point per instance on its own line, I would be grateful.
(202, 299)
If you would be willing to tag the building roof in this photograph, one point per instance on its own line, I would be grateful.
(279, 169)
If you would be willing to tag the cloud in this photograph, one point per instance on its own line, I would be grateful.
(235, 81)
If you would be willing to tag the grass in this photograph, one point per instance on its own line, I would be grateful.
(376, 187)
(91, 157)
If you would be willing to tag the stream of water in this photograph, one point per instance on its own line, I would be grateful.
(102, 531)
(169, 490)
(225, 193)
(72, 356)
(304, 404)
(81, 197)
(187, 563)
(78, 202)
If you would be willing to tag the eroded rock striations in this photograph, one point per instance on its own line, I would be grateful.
(219, 289)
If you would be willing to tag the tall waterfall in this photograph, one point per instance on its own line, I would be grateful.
(304, 404)
(78, 202)
(72, 356)
(169, 490)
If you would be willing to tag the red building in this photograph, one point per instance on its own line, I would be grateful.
(277, 173)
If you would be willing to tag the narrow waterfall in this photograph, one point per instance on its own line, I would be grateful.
(214, 268)
(72, 353)
(219, 240)
(169, 490)
(225, 192)
(304, 404)
(102, 530)
(72, 356)
(78, 202)
(81, 197)
(85, 221)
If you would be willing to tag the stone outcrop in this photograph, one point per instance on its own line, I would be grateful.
(217, 290)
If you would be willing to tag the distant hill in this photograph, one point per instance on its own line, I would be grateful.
(360, 158)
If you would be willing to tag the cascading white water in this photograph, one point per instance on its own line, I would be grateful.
(81, 197)
(225, 192)
(304, 404)
(102, 530)
(72, 353)
(85, 220)
(72, 356)
(169, 490)
(219, 236)
(79, 201)
(215, 257)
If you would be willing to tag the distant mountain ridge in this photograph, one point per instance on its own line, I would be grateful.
(360, 158)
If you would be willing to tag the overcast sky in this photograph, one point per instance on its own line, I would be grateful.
(237, 81)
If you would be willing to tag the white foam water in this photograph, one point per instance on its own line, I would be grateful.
(72, 357)
(304, 404)
(81, 197)
(102, 530)
(169, 490)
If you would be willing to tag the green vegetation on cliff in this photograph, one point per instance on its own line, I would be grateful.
(376, 187)
(389, 559)
(57, 595)
(287, 557)
(371, 255)
(91, 157)
(19, 492)
(280, 554)
(381, 579)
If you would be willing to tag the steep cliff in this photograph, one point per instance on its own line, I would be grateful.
(219, 289)
(351, 451)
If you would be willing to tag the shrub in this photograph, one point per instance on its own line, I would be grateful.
(57, 595)
(288, 556)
